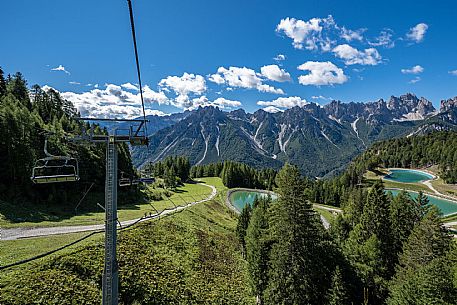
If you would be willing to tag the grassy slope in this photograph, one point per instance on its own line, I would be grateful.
(15, 250)
(189, 258)
(326, 214)
(41, 216)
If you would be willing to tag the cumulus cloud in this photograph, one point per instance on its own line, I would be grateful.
(303, 33)
(185, 84)
(321, 97)
(352, 56)
(285, 102)
(417, 33)
(273, 72)
(453, 72)
(321, 74)
(280, 57)
(385, 40)
(414, 70)
(317, 33)
(272, 109)
(130, 86)
(415, 80)
(220, 102)
(185, 88)
(113, 101)
(242, 78)
(350, 35)
(156, 112)
(61, 68)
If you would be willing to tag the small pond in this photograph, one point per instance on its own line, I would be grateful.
(446, 206)
(407, 175)
(240, 198)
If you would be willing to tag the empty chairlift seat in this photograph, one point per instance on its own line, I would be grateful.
(55, 169)
(52, 169)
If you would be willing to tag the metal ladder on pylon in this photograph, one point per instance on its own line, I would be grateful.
(110, 276)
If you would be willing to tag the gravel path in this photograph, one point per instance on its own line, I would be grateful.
(16, 233)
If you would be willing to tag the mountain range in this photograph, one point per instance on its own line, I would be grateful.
(321, 140)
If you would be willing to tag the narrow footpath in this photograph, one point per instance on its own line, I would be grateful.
(16, 233)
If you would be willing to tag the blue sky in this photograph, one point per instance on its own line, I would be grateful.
(222, 52)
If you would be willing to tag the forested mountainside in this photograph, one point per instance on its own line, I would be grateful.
(26, 118)
(380, 250)
(437, 148)
(320, 140)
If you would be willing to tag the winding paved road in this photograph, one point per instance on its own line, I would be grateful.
(16, 233)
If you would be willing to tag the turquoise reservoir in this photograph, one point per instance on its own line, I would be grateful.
(407, 176)
(446, 206)
(240, 198)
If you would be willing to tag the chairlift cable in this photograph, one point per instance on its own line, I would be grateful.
(132, 24)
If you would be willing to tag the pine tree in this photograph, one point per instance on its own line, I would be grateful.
(297, 273)
(257, 248)
(338, 294)
(2, 83)
(403, 216)
(427, 241)
(242, 225)
(423, 206)
(432, 283)
(376, 220)
(170, 178)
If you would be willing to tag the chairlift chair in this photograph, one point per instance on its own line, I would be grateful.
(53, 169)
(123, 181)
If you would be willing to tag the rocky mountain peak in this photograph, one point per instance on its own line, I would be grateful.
(448, 104)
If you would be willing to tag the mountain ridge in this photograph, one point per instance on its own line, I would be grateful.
(321, 140)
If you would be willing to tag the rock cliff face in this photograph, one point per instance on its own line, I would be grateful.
(320, 140)
(448, 104)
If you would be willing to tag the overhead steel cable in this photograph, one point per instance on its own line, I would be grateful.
(132, 24)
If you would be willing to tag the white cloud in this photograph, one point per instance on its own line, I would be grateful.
(272, 109)
(273, 72)
(74, 83)
(453, 72)
(60, 68)
(321, 97)
(384, 40)
(185, 84)
(414, 70)
(352, 56)
(350, 35)
(301, 32)
(220, 102)
(415, 80)
(217, 78)
(285, 102)
(321, 73)
(417, 32)
(242, 78)
(280, 57)
(156, 112)
(114, 102)
(130, 86)
(317, 33)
